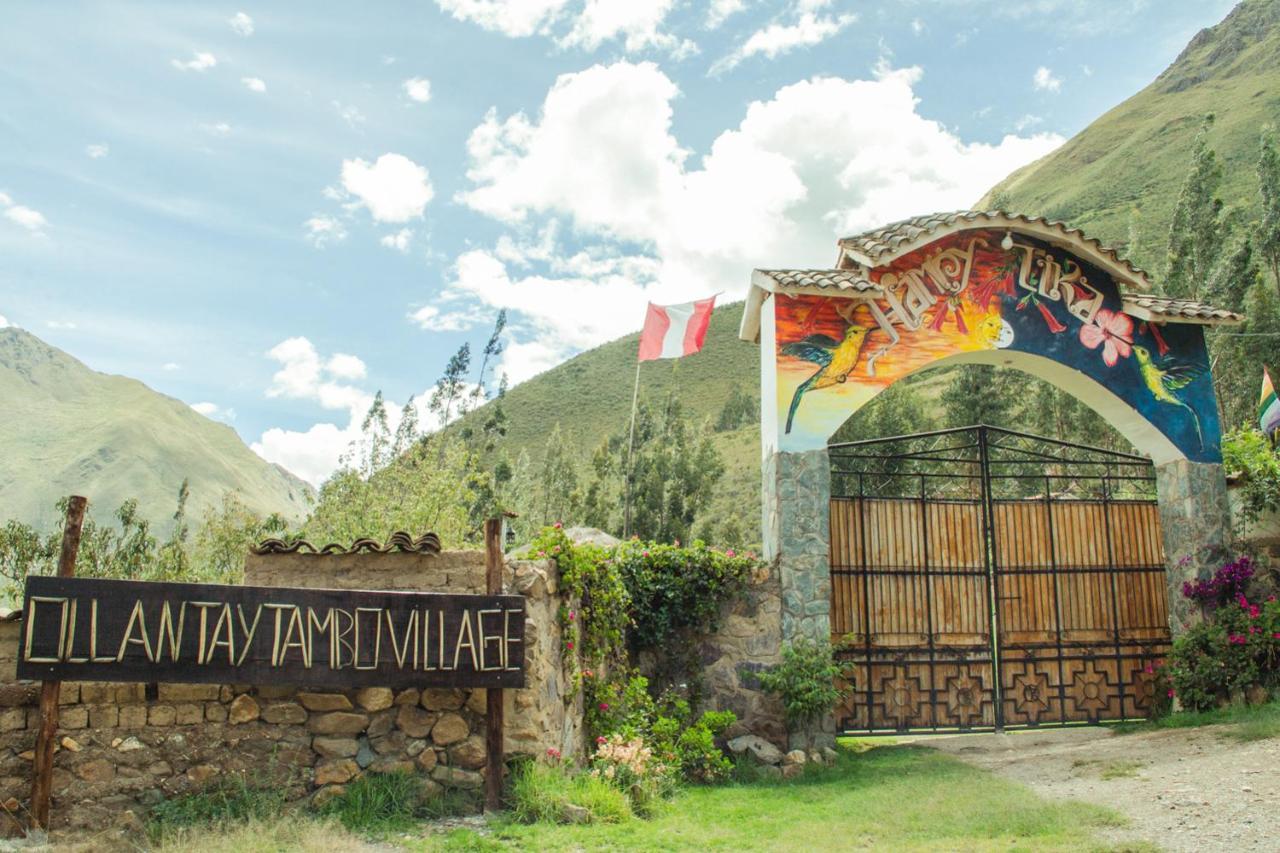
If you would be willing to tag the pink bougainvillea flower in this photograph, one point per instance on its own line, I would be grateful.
(572, 615)
(604, 706)
(1170, 692)
(729, 553)
(569, 645)
(552, 752)
(602, 739)
(1111, 330)
(559, 525)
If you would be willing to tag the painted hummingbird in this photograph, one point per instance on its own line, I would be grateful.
(835, 360)
(1163, 379)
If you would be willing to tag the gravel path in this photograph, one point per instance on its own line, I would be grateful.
(1182, 789)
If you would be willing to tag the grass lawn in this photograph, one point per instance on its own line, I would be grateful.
(888, 797)
(1246, 722)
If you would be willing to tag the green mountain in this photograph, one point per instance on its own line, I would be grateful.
(66, 429)
(1119, 179)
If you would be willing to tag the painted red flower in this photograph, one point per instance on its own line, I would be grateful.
(1111, 330)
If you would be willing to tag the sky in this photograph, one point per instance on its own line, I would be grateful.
(272, 210)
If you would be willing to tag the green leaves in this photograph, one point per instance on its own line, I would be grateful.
(805, 681)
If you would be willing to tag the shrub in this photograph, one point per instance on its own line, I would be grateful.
(231, 799)
(1235, 648)
(700, 757)
(631, 766)
(542, 792)
(805, 681)
(1249, 453)
(379, 802)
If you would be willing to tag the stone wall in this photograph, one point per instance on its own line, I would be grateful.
(749, 639)
(128, 746)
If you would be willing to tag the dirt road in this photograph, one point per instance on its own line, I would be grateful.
(1182, 789)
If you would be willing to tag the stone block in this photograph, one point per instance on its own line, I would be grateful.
(327, 793)
(382, 722)
(215, 712)
(335, 747)
(13, 719)
(336, 771)
(408, 697)
(129, 693)
(97, 770)
(478, 701)
(391, 764)
(443, 699)
(450, 728)
(389, 744)
(271, 691)
(162, 715)
(456, 777)
(243, 710)
(426, 760)
(97, 691)
(374, 698)
(189, 692)
(284, 713)
(75, 717)
(69, 694)
(757, 747)
(338, 723)
(104, 716)
(133, 716)
(324, 701)
(414, 721)
(468, 754)
(200, 774)
(188, 714)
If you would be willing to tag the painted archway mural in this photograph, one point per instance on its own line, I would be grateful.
(993, 296)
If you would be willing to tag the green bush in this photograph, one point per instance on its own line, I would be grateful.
(1250, 454)
(542, 792)
(701, 759)
(231, 799)
(805, 681)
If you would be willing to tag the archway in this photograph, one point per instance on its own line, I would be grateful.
(983, 288)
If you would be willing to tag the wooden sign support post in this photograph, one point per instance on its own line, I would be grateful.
(46, 738)
(494, 746)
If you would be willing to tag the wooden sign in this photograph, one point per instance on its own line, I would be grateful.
(83, 629)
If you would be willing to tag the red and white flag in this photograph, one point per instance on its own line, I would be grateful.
(671, 331)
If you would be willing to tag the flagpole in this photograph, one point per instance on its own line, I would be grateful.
(631, 446)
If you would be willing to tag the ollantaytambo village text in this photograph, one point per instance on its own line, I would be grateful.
(87, 629)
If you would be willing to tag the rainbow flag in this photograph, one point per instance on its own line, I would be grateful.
(1268, 406)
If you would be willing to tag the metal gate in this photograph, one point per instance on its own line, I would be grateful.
(983, 578)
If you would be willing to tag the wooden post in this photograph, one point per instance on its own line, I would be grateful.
(495, 757)
(46, 738)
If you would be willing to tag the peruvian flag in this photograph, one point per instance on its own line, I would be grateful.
(671, 331)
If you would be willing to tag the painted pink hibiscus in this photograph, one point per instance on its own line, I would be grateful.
(1111, 330)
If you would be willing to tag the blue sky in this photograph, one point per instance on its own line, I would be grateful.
(272, 210)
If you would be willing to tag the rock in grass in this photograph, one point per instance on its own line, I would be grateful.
(759, 749)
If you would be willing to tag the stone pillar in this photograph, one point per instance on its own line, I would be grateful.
(797, 536)
(1195, 519)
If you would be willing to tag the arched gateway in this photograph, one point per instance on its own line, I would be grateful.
(984, 288)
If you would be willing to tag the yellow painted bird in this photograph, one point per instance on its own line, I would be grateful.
(836, 360)
(1162, 381)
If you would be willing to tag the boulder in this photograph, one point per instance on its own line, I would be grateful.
(374, 698)
(324, 701)
(335, 722)
(450, 728)
(243, 710)
(414, 721)
(757, 747)
(336, 771)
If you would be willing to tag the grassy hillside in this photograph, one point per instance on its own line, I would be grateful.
(67, 429)
(1119, 178)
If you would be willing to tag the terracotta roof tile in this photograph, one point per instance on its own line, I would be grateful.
(854, 279)
(1148, 307)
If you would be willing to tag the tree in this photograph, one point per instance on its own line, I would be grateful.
(739, 409)
(451, 386)
(982, 394)
(1195, 234)
(555, 481)
(1269, 190)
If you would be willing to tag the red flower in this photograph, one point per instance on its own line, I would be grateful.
(1050, 320)
(604, 706)
(602, 739)
(1111, 330)
(569, 645)
(572, 614)
(558, 525)
(729, 553)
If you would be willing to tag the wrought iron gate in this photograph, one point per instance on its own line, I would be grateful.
(983, 578)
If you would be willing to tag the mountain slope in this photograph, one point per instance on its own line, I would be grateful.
(1119, 178)
(67, 429)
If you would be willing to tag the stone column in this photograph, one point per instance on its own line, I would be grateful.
(1195, 518)
(797, 536)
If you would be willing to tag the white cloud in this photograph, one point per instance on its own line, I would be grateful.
(917, 26)
(304, 374)
(637, 23)
(720, 11)
(170, 366)
(344, 366)
(1044, 81)
(32, 220)
(254, 84)
(393, 188)
(96, 151)
(806, 29)
(399, 240)
(323, 230)
(219, 128)
(5, 200)
(417, 89)
(1027, 121)
(350, 114)
(201, 61)
(432, 319)
(820, 159)
(4, 323)
(61, 324)
(516, 18)
(241, 23)
(214, 411)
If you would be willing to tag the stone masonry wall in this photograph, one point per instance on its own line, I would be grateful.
(128, 746)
